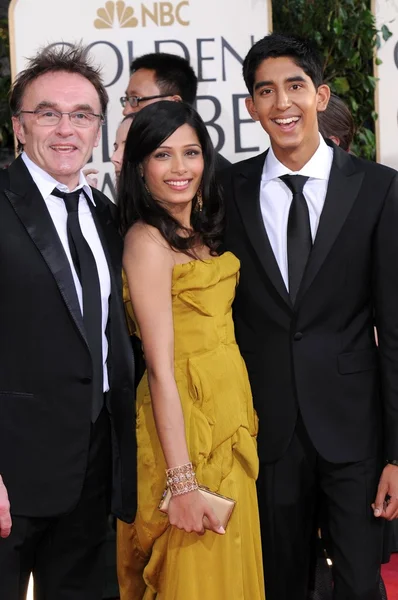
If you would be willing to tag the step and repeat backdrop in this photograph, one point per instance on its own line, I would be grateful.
(214, 35)
(386, 12)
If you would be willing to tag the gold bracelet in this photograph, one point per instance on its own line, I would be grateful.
(181, 480)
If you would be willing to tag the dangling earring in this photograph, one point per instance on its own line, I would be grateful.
(141, 170)
(146, 203)
(199, 200)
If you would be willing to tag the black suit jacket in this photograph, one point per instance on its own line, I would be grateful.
(45, 363)
(320, 355)
(221, 162)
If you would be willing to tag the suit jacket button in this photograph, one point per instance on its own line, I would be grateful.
(297, 336)
(86, 380)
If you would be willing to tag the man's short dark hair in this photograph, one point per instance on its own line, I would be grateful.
(337, 121)
(67, 58)
(277, 45)
(173, 74)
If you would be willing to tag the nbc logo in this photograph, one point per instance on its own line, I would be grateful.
(162, 14)
(115, 10)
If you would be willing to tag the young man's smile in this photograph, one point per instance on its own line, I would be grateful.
(286, 102)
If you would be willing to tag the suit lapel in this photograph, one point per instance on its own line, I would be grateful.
(31, 209)
(344, 184)
(247, 194)
(110, 239)
(112, 244)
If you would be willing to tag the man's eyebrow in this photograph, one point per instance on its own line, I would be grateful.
(47, 104)
(295, 78)
(85, 107)
(292, 79)
(260, 84)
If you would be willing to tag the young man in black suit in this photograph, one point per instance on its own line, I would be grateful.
(67, 443)
(315, 230)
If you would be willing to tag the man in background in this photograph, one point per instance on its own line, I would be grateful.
(336, 123)
(162, 76)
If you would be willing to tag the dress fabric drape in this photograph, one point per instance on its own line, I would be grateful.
(155, 560)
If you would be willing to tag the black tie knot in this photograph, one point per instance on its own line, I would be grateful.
(295, 183)
(71, 199)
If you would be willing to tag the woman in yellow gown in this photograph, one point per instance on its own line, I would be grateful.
(193, 403)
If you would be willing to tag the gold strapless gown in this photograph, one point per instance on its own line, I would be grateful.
(155, 560)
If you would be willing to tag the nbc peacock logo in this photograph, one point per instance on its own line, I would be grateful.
(115, 14)
(162, 14)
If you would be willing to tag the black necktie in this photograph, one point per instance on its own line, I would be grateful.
(299, 240)
(86, 269)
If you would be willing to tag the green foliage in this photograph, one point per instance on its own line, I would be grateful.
(6, 135)
(345, 33)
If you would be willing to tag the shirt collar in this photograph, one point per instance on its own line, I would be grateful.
(46, 183)
(318, 167)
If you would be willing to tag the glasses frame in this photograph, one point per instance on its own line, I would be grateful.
(72, 112)
(138, 99)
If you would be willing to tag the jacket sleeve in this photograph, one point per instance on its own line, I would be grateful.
(385, 291)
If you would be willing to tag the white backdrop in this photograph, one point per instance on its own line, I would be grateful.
(214, 35)
(386, 12)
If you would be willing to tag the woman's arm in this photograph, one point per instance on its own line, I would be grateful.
(148, 263)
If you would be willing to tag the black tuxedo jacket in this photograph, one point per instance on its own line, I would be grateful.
(320, 355)
(45, 363)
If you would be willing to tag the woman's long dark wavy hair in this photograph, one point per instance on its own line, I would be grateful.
(150, 128)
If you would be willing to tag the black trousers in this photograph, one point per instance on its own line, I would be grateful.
(290, 492)
(66, 553)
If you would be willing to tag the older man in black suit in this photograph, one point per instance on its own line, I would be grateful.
(67, 447)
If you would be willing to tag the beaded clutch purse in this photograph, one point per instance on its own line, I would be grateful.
(222, 506)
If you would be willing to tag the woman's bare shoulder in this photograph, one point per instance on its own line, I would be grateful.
(145, 240)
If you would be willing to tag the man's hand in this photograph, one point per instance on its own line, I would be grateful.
(386, 503)
(5, 516)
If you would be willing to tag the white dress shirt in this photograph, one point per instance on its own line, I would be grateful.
(57, 209)
(276, 198)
